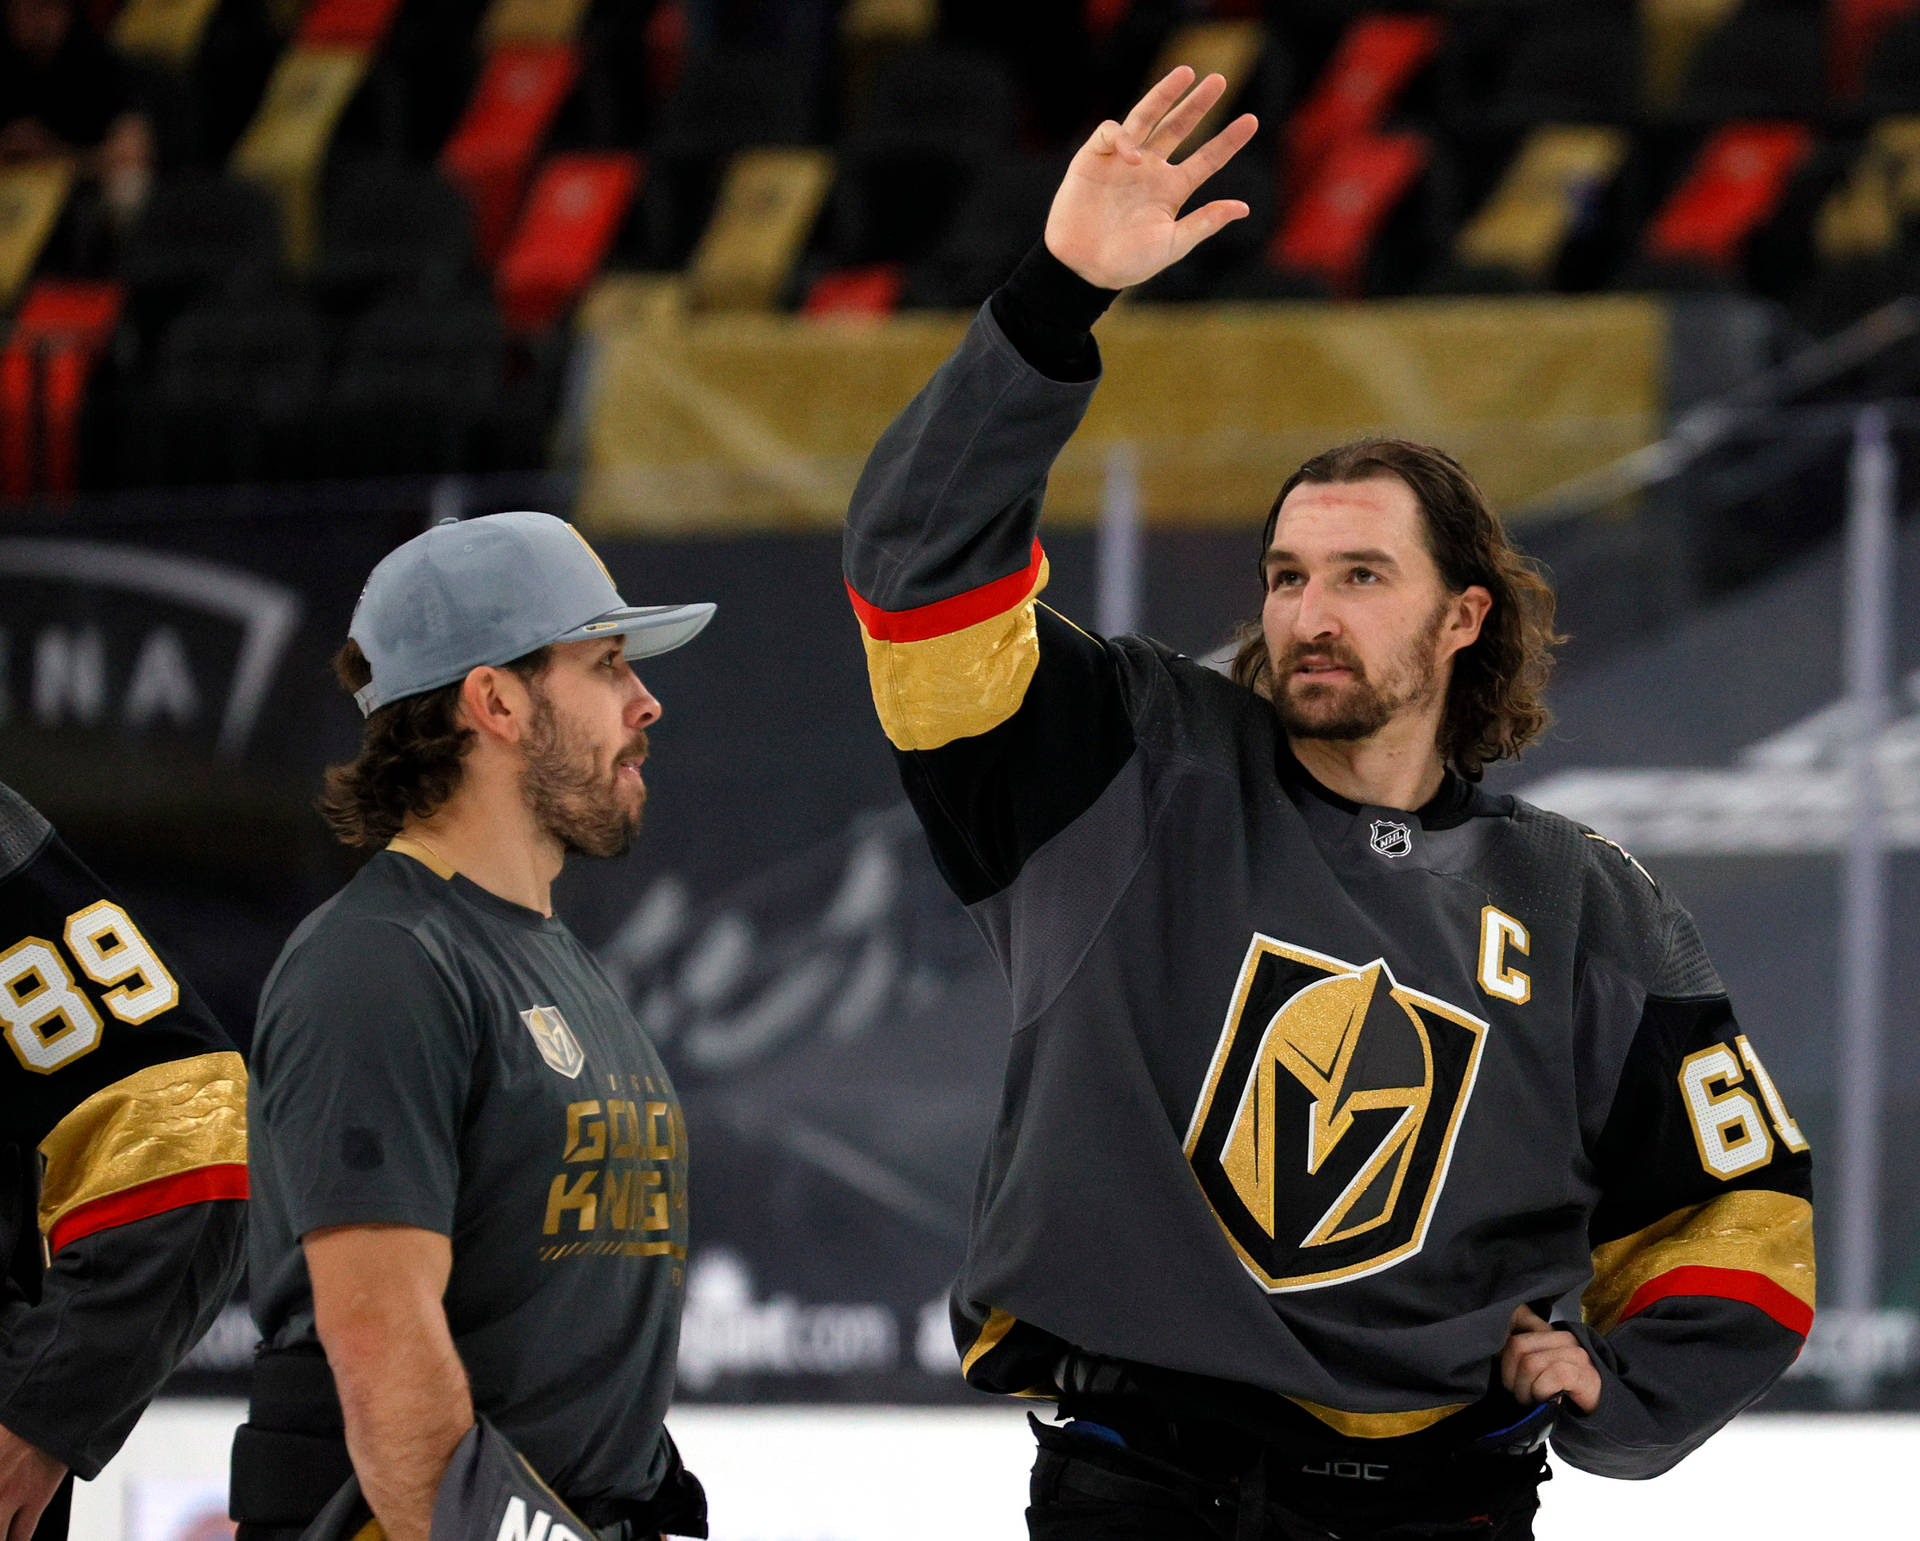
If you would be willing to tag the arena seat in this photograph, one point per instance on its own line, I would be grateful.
(1552, 183)
(572, 215)
(1566, 68)
(873, 291)
(57, 336)
(390, 225)
(491, 153)
(231, 397)
(931, 119)
(412, 392)
(533, 21)
(762, 217)
(998, 220)
(197, 231)
(1671, 31)
(167, 33)
(1766, 60)
(1734, 186)
(1376, 60)
(361, 24)
(285, 147)
(32, 194)
(726, 102)
(1892, 82)
(1329, 231)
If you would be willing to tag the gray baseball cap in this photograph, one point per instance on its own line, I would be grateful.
(486, 591)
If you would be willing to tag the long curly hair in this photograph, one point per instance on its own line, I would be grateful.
(1495, 704)
(410, 754)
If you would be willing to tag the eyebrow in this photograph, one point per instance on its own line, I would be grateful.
(1370, 556)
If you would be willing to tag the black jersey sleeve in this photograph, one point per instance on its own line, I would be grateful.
(1703, 1271)
(127, 1104)
(1008, 719)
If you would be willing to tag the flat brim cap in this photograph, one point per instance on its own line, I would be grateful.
(474, 592)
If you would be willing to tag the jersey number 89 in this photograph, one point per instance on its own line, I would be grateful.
(49, 1020)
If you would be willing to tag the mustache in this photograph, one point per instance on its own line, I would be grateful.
(1339, 655)
(635, 750)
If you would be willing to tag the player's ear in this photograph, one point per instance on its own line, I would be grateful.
(1470, 609)
(494, 703)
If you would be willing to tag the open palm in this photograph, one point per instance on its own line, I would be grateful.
(1116, 219)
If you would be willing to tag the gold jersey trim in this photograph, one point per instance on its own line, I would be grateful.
(1754, 1230)
(156, 1123)
(998, 1325)
(1378, 1425)
(402, 845)
(960, 685)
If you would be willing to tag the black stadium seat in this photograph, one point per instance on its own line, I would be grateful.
(934, 118)
(198, 231)
(1569, 68)
(412, 390)
(1767, 61)
(995, 224)
(1893, 71)
(229, 399)
(390, 225)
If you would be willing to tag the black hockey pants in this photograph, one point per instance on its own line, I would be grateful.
(1089, 1488)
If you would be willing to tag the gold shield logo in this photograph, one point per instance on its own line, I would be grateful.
(555, 1040)
(1327, 1121)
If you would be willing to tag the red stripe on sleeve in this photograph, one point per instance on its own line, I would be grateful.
(949, 615)
(1755, 1289)
(226, 1180)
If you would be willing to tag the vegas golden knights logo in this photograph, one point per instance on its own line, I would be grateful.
(1327, 1122)
(555, 1040)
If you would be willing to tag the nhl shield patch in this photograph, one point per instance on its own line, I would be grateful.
(1391, 838)
(1327, 1122)
(555, 1040)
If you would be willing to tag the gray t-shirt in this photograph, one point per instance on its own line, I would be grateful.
(429, 1054)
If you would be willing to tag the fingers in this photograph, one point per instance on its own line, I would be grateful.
(1220, 149)
(1526, 1319)
(1156, 104)
(1537, 1365)
(1112, 138)
(1185, 115)
(1207, 220)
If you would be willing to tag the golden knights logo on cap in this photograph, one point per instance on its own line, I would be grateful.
(1324, 1131)
(555, 1040)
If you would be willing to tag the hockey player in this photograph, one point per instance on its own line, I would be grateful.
(1330, 1072)
(125, 1180)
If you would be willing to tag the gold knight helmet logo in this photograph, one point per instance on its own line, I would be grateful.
(555, 1040)
(1327, 1122)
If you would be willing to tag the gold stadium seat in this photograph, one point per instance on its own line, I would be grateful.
(163, 32)
(31, 197)
(1524, 225)
(532, 21)
(1862, 217)
(1671, 32)
(1228, 48)
(761, 220)
(285, 146)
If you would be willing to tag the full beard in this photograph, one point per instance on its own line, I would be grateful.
(1359, 708)
(571, 797)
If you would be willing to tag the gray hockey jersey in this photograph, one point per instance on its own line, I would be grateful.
(1301, 1095)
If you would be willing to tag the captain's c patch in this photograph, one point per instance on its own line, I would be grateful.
(1327, 1120)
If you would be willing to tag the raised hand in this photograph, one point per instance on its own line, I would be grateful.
(1116, 219)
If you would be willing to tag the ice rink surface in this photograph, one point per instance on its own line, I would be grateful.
(918, 1474)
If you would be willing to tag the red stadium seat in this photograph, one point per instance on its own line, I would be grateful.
(571, 218)
(347, 23)
(1736, 183)
(1376, 60)
(1854, 26)
(1331, 227)
(864, 291)
(490, 154)
(60, 329)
